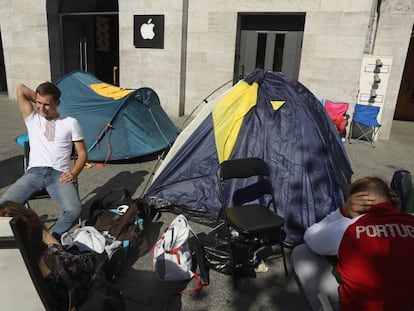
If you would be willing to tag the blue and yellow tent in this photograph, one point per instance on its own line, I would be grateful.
(266, 115)
(117, 123)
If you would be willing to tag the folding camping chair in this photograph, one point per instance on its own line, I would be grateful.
(364, 124)
(255, 223)
(338, 114)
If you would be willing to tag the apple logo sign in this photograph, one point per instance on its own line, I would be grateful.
(147, 30)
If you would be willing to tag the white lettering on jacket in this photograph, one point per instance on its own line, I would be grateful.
(385, 231)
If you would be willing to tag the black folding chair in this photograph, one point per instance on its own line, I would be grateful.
(364, 125)
(26, 250)
(242, 183)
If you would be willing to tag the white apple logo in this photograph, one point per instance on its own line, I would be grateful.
(147, 30)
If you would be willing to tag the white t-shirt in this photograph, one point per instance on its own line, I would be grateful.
(51, 142)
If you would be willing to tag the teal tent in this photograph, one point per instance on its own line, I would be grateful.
(117, 123)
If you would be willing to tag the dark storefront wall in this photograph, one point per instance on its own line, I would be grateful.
(3, 79)
(84, 35)
(405, 102)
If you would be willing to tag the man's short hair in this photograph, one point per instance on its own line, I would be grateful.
(48, 88)
(371, 184)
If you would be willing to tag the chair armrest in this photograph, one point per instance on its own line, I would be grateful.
(7, 239)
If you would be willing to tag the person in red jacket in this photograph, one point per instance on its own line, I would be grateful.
(374, 245)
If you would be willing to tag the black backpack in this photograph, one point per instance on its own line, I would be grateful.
(127, 227)
(115, 197)
(402, 183)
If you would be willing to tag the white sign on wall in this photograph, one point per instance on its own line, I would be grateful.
(375, 72)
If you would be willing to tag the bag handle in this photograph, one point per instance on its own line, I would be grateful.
(201, 275)
(71, 288)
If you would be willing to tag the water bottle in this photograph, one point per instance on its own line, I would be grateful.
(125, 246)
(140, 223)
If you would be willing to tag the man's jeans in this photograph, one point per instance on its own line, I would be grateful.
(65, 194)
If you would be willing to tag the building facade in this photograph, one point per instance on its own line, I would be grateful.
(328, 45)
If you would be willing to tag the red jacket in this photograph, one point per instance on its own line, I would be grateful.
(376, 261)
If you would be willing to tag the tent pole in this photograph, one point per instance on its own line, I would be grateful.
(205, 101)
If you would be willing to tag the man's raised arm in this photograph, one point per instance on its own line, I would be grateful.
(25, 99)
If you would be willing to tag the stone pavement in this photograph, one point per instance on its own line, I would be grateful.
(268, 291)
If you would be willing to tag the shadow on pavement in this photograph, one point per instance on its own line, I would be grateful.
(141, 288)
(144, 292)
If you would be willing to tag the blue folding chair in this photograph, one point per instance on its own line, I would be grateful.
(364, 125)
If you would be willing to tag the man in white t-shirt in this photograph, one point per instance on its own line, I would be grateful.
(51, 137)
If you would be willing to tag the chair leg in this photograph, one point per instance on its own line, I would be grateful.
(232, 263)
(363, 134)
(350, 134)
(235, 281)
(282, 249)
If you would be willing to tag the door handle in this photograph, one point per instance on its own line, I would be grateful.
(114, 75)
